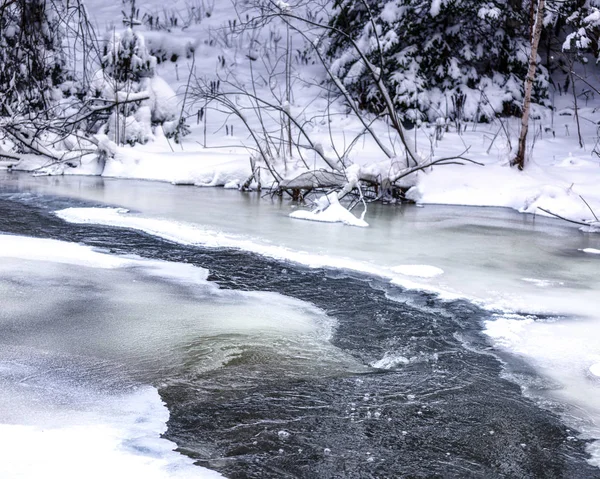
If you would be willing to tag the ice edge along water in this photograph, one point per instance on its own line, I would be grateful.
(189, 234)
(126, 442)
(501, 329)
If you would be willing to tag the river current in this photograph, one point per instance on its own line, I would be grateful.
(268, 367)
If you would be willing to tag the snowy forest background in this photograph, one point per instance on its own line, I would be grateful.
(433, 101)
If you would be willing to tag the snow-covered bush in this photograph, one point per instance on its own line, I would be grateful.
(128, 81)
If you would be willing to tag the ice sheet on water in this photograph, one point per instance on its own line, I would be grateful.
(69, 416)
(63, 411)
(123, 439)
(419, 270)
(53, 251)
(564, 350)
(37, 249)
(72, 311)
(190, 234)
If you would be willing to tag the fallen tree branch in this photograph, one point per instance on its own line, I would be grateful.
(10, 156)
(450, 160)
(581, 223)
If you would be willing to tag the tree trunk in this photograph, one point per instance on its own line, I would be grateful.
(519, 160)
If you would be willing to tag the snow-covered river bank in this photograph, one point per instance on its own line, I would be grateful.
(537, 284)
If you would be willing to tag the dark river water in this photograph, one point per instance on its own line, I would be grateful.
(441, 409)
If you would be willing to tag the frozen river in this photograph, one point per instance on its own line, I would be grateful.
(440, 341)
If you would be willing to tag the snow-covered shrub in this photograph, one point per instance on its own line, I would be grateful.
(125, 57)
(128, 81)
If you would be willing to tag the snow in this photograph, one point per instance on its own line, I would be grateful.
(163, 100)
(436, 5)
(204, 167)
(542, 283)
(329, 210)
(557, 176)
(591, 250)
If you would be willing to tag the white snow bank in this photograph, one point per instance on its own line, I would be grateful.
(152, 161)
(329, 210)
(419, 270)
(550, 186)
(200, 168)
(591, 250)
(121, 440)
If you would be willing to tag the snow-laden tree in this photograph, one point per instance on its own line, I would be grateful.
(441, 58)
(32, 63)
(584, 22)
(140, 98)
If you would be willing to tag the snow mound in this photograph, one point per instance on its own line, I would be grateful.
(595, 369)
(329, 210)
(419, 270)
